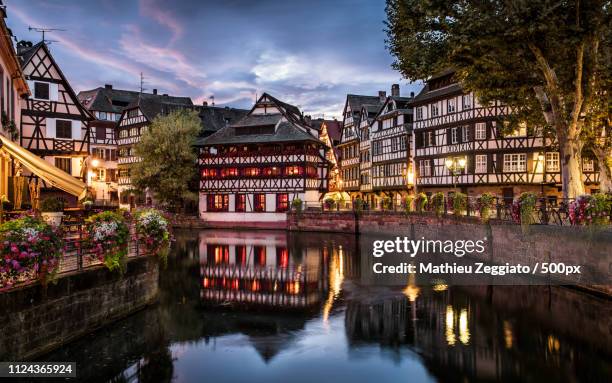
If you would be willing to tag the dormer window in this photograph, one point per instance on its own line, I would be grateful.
(41, 90)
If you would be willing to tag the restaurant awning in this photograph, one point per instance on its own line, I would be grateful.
(44, 170)
(337, 195)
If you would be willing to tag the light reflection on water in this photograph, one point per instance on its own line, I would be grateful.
(238, 306)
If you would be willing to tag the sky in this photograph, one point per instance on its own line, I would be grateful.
(309, 53)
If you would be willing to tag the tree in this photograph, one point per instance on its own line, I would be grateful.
(168, 160)
(545, 59)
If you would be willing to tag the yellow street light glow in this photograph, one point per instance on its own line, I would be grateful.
(462, 162)
(95, 163)
(449, 163)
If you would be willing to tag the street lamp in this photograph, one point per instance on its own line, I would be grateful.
(455, 166)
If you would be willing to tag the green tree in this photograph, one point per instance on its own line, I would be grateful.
(545, 59)
(168, 160)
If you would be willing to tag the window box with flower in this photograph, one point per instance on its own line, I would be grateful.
(108, 236)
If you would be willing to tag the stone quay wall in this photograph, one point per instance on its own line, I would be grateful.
(35, 320)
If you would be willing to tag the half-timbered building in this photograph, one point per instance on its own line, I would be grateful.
(253, 169)
(452, 127)
(391, 136)
(134, 120)
(330, 133)
(54, 124)
(106, 104)
(349, 143)
(368, 113)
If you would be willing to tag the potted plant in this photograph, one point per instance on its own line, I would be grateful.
(329, 203)
(438, 203)
(30, 249)
(297, 205)
(153, 230)
(421, 202)
(486, 201)
(107, 236)
(386, 203)
(358, 205)
(523, 209)
(460, 202)
(407, 203)
(52, 211)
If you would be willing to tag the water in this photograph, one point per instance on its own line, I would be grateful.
(301, 309)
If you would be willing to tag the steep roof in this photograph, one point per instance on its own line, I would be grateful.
(106, 99)
(438, 86)
(334, 129)
(25, 53)
(153, 104)
(356, 101)
(214, 118)
(289, 126)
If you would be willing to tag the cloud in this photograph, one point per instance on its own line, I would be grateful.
(162, 15)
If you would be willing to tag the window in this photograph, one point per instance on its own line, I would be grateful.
(451, 106)
(402, 143)
(102, 116)
(454, 136)
(132, 113)
(481, 131)
(217, 254)
(259, 202)
(100, 133)
(272, 171)
(251, 172)
(117, 117)
(552, 161)
(520, 131)
(206, 173)
(41, 90)
(516, 162)
(64, 163)
(98, 153)
(588, 165)
(63, 129)
(467, 101)
(218, 202)
(481, 163)
(434, 110)
(229, 172)
(101, 173)
(240, 202)
(282, 202)
(465, 136)
(419, 113)
(293, 171)
(112, 175)
(425, 168)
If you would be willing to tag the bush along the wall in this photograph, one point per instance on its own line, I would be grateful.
(523, 210)
(421, 202)
(485, 203)
(437, 201)
(460, 202)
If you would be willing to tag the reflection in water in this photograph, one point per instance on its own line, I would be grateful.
(269, 306)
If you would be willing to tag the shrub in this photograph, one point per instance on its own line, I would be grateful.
(460, 202)
(329, 203)
(421, 202)
(438, 203)
(29, 248)
(108, 236)
(486, 201)
(590, 209)
(386, 203)
(358, 205)
(297, 205)
(51, 205)
(154, 230)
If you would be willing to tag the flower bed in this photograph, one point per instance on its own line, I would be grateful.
(590, 209)
(29, 249)
(107, 236)
(153, 229)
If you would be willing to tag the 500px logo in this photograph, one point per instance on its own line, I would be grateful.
(412, 247)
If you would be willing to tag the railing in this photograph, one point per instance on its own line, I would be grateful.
(548, 211)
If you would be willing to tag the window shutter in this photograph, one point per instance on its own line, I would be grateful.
(433, 167)
(448, 136)
(489, 129)
(490, 160)
(471, 164)
(107, 155)
(472, 129)
(530, 163)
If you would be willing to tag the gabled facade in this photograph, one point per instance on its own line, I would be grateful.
(107, 105)
(135, 120)
(391, 138)
(253, 169)
(349, 143)
(368, 112)
(54, 124)
(450, 124)
(330, 134)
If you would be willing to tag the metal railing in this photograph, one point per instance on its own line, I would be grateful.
(548, 210)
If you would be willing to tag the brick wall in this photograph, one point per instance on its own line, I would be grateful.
(33, 321)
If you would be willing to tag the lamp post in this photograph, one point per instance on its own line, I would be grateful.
(455, 166)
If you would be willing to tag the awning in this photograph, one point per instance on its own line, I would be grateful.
(44, 170)
(338, 196)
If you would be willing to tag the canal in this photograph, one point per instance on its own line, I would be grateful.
(265, 306)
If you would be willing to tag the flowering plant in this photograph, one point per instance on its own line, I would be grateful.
(153, 228)
(485, 203)
(29, 248)
(386, 203)
(329, 203)
(590, 209)
(460, 203)
(523, 208)
(407, 203)
(107, 236)
(297, 205)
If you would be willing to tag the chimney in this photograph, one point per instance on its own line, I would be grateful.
(165, 94)
(108, 86)
(154, 91)
(395, 90)
(204, 103)
(412, 94)
(382, 95)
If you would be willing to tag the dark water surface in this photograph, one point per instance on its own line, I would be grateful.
(239, 306)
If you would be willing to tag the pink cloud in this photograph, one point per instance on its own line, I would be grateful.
(152, 9)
